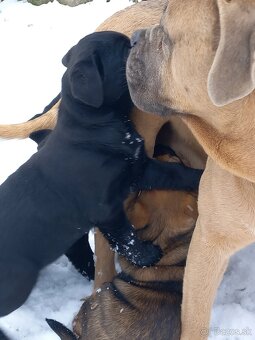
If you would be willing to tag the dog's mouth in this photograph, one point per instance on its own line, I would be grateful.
(143, 72)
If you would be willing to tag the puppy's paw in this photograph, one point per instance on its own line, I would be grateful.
(144, 255)
(140, 253)
(125, 242)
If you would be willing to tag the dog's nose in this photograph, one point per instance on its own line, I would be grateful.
(135, 37)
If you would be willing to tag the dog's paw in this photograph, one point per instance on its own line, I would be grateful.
(140, 253)
(126, 243)
(145, 255)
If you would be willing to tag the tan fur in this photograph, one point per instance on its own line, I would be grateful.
(188, 48)
(104, 261)
(23, 130)
(149, 313)
(232, 75)
(141, 15)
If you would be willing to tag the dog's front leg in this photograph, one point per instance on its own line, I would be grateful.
(206, 264)
(104, 263)
(123, 239)
(148, 126)
(224, 226)
(160, 175)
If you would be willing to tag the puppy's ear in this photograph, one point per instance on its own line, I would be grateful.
(66, 59)
(232, 75)
(86, 81)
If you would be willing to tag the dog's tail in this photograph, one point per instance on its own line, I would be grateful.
(3, 336)
(47, 120)
(63, 332)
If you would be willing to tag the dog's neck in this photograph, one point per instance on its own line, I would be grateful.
(228, 138)
(85, 115)
(79, 124)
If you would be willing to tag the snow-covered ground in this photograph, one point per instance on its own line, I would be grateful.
(32, 43)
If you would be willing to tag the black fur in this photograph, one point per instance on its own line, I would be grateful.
(80, 177)
(80, 253)
(40, 137)
(82, 257)
(62, 331)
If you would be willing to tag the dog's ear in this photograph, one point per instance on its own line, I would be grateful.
(86, 81)
(67, 57)
(232, 75)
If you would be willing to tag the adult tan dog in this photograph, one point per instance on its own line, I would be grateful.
(199, 62)
(144, 303)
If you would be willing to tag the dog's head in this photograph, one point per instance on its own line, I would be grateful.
(96, 68)
(165, 217)
(198, 59)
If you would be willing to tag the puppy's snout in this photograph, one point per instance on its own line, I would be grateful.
(135, 37)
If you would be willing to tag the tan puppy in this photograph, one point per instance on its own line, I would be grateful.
(201, 60)
(144, 303)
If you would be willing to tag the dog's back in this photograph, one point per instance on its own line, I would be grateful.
(120, 310)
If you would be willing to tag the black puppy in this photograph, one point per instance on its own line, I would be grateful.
(81, 175)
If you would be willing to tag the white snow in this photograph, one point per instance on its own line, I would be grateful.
(33, 40)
